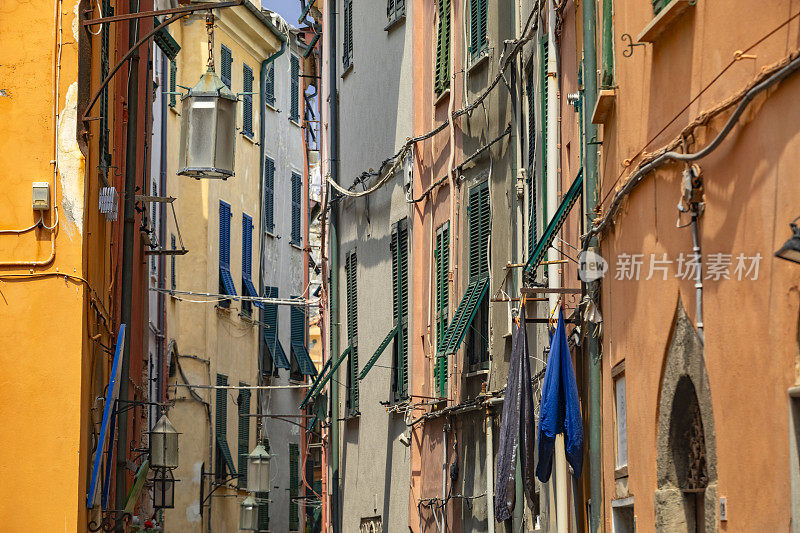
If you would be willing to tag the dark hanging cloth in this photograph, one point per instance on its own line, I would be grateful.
(517, 428)
(560, 411)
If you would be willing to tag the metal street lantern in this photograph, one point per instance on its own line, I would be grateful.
(791, 248)
(163, 489)
(258, 469)
(208, 129)
(164, 444)
(248, 515)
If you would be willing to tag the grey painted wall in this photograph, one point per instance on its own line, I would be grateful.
(375, 118)
(282, 267)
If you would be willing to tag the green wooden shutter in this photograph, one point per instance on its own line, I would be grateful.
(352, 332)
(442, 258)
(658, 5)
(247, 100)
(269, 195)
(173, 83)
(399, 248)
(269, 85)
(226, 65)
(244, 433)
(478, 40)
(263, 510)
(294, 113)
(531, 182)
(294, 487)
(543, 59)
(221, 423)
(479, 228)
(297, 198)
(442, 67)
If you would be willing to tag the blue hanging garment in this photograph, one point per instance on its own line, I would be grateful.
(560, 411)
(517, 428)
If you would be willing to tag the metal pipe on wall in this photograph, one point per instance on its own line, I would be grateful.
(489, 472)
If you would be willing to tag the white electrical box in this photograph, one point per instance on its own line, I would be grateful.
(41, 196)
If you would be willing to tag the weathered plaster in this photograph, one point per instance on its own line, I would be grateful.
(70, 163)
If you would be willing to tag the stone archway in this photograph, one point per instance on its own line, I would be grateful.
(686, 494)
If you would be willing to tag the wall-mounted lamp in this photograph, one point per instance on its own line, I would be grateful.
(164, 444)
(248, 514)
(791, 248)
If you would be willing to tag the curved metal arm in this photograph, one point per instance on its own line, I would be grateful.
(144, 39)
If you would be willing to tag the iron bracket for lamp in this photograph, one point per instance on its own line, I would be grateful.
(626, 37)
(111, 520)
(177, 13)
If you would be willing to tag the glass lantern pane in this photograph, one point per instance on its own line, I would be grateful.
(202, 118)
(225, 135)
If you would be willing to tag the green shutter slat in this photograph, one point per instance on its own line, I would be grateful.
(299, 349)
(244, 434)
(263, 510)
(247, 100)
(352, 332)
(294, 487)
(442, 66)
(543, 60)
(271, 338)
(164, 41)
(479, 228)
(347, 45)
(226, 64)
(537, 255)
(464, 315)
(322, 382)
(381, 347)
(399, 250)
(442, 258)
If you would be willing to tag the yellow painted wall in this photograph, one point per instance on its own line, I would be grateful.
(43, 318)
(215, 340)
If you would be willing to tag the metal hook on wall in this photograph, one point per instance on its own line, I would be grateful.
(626, 37)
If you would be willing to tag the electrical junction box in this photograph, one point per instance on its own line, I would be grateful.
(41, 196)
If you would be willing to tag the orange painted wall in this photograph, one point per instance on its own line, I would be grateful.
(751, 189)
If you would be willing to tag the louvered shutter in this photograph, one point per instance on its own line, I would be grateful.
(352, 332)
(482, 25)
(226, 285)
(294, 93)
(172, 263)
(226, 65)
(543, 59)
(269, 85)
(474, 39)
(247, 247)
(347, 45)
(297, 194)
(442, 68)
(442, 258)
(269, 195)
(173, 83)
(294, 486)
(244, 433)
(399, 249)
(247, 100)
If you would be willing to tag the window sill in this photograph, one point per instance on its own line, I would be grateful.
(174, 109)
(475, 373)
(442, 97)
(249, 137)
(621, 472)
(348, 69)
(662, 21)
(604, 105)
(271, 234)
(271, 106)
(296, 246)
(295, 122)
(477, 62)
(395, 22)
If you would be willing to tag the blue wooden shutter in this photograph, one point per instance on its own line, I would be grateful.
(226, 285)
(247, 100)
(297, 196)
(294, 113)
(226, 65)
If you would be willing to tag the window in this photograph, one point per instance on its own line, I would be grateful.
(222, 458)
(173, 83)
(347, 45)
(248, 289)
(294, 93)
(247, 101)
(297, 194)
(622, 516)
(294, 487)
(226, 65)
(225, 280)
(269, 195)
(301, 362)
(274, 348)
(350, 267)
(478, 42)
(172, 263)
(269, 84)
(244, 433)
(441, 75)
(395, 9)
(620, 418)
(479, 228)
(441, 257)
(399, 247)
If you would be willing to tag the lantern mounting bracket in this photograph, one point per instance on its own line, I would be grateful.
(112, 518)
(177, 13)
